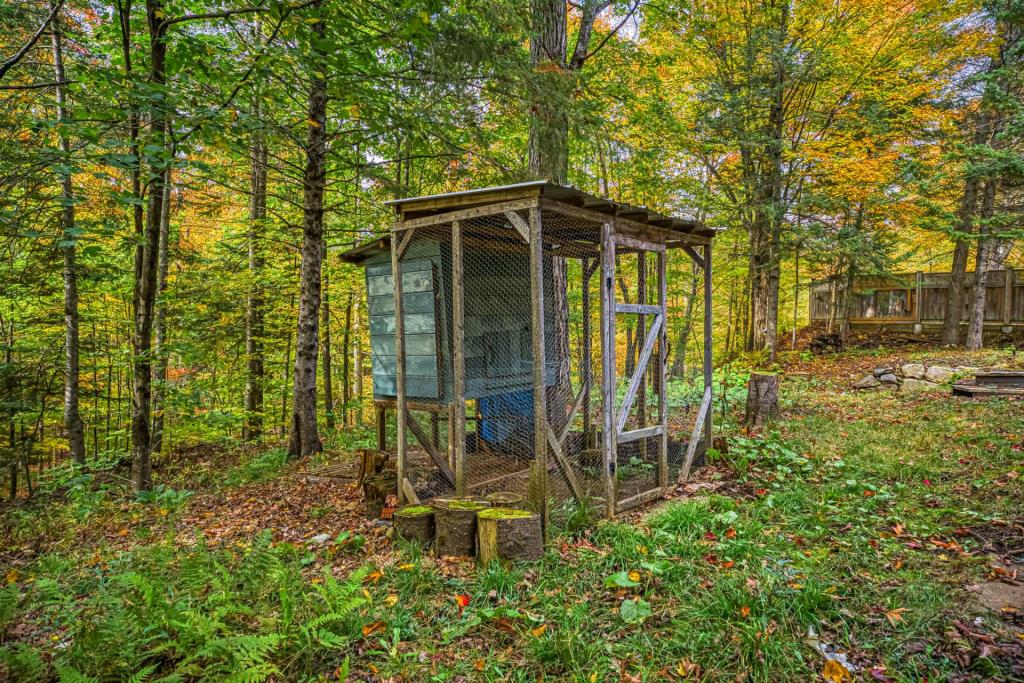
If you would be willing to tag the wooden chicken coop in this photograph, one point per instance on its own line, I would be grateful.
(496, 316)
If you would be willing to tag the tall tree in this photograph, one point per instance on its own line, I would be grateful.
(72, 417)
(304, 438)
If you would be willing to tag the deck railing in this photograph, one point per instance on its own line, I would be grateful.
(920, 298)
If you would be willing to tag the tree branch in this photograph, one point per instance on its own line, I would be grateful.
(11, 61)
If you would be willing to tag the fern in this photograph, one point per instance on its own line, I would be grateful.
(8, 606)
(67, 674)
(23, 663)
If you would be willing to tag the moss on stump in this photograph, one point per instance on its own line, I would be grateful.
(505, 499)
(509, 535)
(455, 522)
(415, 523)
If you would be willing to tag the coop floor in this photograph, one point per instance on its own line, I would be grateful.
(876, 529)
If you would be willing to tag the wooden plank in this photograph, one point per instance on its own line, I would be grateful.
(638, 373)
(698, 425)
(404, 242)
(401, 446)
(634, 243)
(608, 371)
(540, 419)
(640, 499)
(465, 214)
(637, 434)
(1008, 295)
(457, 429)
(563, 464)
(641, 331)
(663, 373)
(643, 309)
(584, 392)
(410, 492)
(424, 438)
(653, 233)
(586, 360)
(519, 224)
(708, 348)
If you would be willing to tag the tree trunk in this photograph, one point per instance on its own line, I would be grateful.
(305, 439)
(254, 377)
(160, 376)
(146, 256)
(455, 519)
(346, 385)
(328, 376)
(358, 362)
(762, 399)
(415, 524)
(509, 535)
(72, 417)
(551, 87)
(844, 327)
(679, 360)
(982, 264)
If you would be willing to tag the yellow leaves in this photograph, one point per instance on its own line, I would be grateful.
(539, 631)
(895, 615)
(373, 627)
(634, 575)
(405, 567)
(745, 611)
(391, 600)
(12, 576)
(686, 669)
(374, 576)
(834, 672)
(479, 665)
(312, 124)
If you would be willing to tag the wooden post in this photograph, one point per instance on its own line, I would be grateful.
(662, 370)
(762, 399)
(608, 446)
(400, 445)
(540, 413)
(586, 372)
(708, 350)
(1007, 295)
(382, 432)
(457, 429)
(641, 333)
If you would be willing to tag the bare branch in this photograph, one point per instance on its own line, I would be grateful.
(9, 63)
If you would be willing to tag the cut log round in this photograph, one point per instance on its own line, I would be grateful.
(509, 535)
(505, 499)
(455, 521)
(376, 489)
(762, 399)
(415, 524)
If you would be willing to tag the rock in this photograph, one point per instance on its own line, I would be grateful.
(889, 378)
(912, 370)
(913, 386)
(878, 372)
(868, 382)
(320, 539)
(939, 374)
(965, 370)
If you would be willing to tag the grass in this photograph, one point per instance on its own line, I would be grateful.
(842, 526)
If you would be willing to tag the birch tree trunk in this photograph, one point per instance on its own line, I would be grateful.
(160, 376)
(328, 375)
(72, 417)
(982, 264)
(305, 439)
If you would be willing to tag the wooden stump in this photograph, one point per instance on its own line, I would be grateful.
(508, 535)
(455, 520)
(505, 499)
(376, 489)
(415, 523)
(762, 399)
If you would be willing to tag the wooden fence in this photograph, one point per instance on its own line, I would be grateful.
(918, 300)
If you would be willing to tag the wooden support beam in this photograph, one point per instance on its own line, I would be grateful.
(583, 393)
(586, 357)
(519, 224)
(637, 434)
(1007, 295)
(563, 464)
(698, 426)
(540, 411)
(628, 242)
(424, 438)
(643, 309)
(457, 429)
(465, 214)
(638, 373)
(708, 347)
(404, 242)
(697, 258)
(410, 493)
(400, 445)
(640, 499)
(662, 371)
(608, 371)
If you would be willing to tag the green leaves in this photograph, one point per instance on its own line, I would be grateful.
(635, 610)
(622, 580)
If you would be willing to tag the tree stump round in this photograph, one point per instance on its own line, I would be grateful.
(762, 399)
(415, 524)
(376, 489)
(508, 535)
(455, 521)
(505, 499)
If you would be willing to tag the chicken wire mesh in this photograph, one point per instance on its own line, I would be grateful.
(470, 389)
